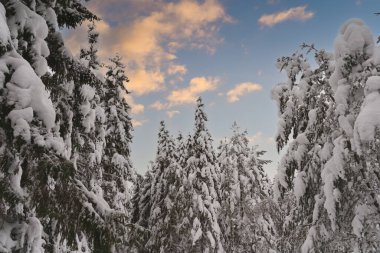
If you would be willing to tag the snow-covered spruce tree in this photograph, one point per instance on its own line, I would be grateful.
(137, 235)
(244, 197)
(26, 129)
(183, 150)
(140, 234)
(200, 227)
(135, 214)
(118, 173)
(145, 202)
(333, 185)
(164, 223)
(305, 109)
(54, 167)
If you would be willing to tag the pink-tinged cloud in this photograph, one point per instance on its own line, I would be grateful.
(171, 114)
(177, 69)
(242, 89)
(297, 13)
(149, 39)
(136, 108)
(137, 123)
(197, 86)
(158, 106)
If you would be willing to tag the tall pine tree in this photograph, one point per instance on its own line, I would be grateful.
(245, 197)
(201, 192)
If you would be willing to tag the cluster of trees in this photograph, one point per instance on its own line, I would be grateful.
(65, 175)
(66, 180)
(196, 199)
(328, 181)
(67, 183)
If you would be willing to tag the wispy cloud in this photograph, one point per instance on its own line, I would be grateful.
(138, 123)
(177, 69)
(296, 13)
(158, 106)
(171, 114)
(197, 86)
(242, 89)
(272, 2)
(259, 138)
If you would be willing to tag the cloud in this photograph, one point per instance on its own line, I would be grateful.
(149, 33)
(259, 138)
(272, 2)
(241, 90)
(158, 106)
(297, 13)
(145, 81)
(177, 69)
(171, 114)
(135, 107)
(138, 123)
(197, 86)
(358, 2)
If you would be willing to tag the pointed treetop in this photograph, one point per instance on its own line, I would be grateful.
(116, 71)
(238, 135)
(200, 116)
(165, 142)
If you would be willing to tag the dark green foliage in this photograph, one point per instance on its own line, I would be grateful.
(71, 13)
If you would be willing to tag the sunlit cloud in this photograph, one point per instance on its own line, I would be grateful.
(171, 114)
(242, 89)
(149, 38)
(297, 13)
(197, 86)
(260, 138)
(145, 81)
(177, 69)
(136, 108)
(138, 123)
(158, 106)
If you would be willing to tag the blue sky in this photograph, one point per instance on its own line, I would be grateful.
(222, 50)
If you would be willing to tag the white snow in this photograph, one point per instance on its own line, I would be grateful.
(15, 172)
(196, 231)
(25, 89)
(51, 18)
(20, 122)
(6, 241)
(354, 37)
(97, 199)
(308, 245)
(211, 239)
(34, 236)
(26, 20)
(333, 170)
(29, 233)
(372, 85)
(368, 120)
(317, 205)
(4, 30)
(299, 185)
(87, 92)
